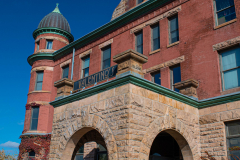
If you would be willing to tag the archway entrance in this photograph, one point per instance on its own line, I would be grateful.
(170, 145)
(91, 146)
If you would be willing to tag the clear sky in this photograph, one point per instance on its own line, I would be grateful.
(18, 20)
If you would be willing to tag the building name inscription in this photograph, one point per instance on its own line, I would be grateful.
(95, 78)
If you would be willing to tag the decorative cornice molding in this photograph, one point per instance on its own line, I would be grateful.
(58, 31)
(40, 56)
(166, 64)
(42, 68)
(86, 53)
(52, 38)
(39, 92)
(226, 44)
(149, 86)
(105, 43)
(65, 63)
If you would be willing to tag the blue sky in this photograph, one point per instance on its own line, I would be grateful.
(18, 20)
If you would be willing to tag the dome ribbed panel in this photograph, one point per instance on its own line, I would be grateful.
(55, 20)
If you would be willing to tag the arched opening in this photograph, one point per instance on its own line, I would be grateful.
(170, 145)
(86, 143)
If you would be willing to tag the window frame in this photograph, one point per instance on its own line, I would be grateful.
(30, 128)
(169, 29)
(172, 77)
(83, 69)
(152, 40)
(102, 50)
(136, 34)
(153, 76)
(64, 70)
(229, 137)
(47, 41)
(221, 66)
(216, 12)
(36, 81)
(31, 156)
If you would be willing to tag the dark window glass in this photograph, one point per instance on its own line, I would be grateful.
(225, 11)
(139, 42)
(155, 38)
(31, 154)
(175, 76)
(139, 1)
(34, 118)
(106, 57)
(156, 77)
(49, 44)
(233, 139)
(65, 71)
(39, 81)
(79, 155)
(101, 153)
(231, 68)
(173, 29)
(85, 69)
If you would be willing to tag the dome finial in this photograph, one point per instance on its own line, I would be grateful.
(56, 10)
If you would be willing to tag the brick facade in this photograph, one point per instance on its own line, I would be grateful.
(127, 118)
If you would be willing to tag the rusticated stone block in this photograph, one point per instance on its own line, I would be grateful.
(210, 118)
(64, 87)
(188, 87)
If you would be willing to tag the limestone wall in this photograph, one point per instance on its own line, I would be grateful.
(212, 128)
(128, 118)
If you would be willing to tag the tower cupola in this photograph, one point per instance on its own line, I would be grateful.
(56, 23)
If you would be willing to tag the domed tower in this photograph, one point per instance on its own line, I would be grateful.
(52, 34)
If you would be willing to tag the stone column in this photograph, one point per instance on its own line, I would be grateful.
(188, 87)
(130, 62)
(90, 151)
(64, 87)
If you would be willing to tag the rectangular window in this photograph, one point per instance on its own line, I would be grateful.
(37, 46)
(139, 1)
(230, 61)
(139, 42)
(39, 81)
(233, 139)
(49, 44)
(224, 11)
(34, 118)
(85, 70)
(106, 57)
(175, 76)
(65, 71)
(173, 29)
(155, 37)
(156, 78)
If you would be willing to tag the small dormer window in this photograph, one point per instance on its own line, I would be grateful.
(139, 1)
(49, 44)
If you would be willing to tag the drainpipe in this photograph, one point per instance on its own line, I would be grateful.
(72, 63)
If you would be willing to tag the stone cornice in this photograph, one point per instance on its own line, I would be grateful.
(44, 51)
(147, 85)
(226, 44)
(86, 53)
(65, 63)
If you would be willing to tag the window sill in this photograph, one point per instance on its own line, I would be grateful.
(153, 52)
(39, 92)
(225, 24)
(230, 91)
(173, 44)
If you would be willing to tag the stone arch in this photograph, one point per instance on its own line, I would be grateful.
(178, 131)
(77, 129)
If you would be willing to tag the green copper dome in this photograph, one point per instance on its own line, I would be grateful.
(55, 20)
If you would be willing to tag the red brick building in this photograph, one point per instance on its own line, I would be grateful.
(168, 46)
